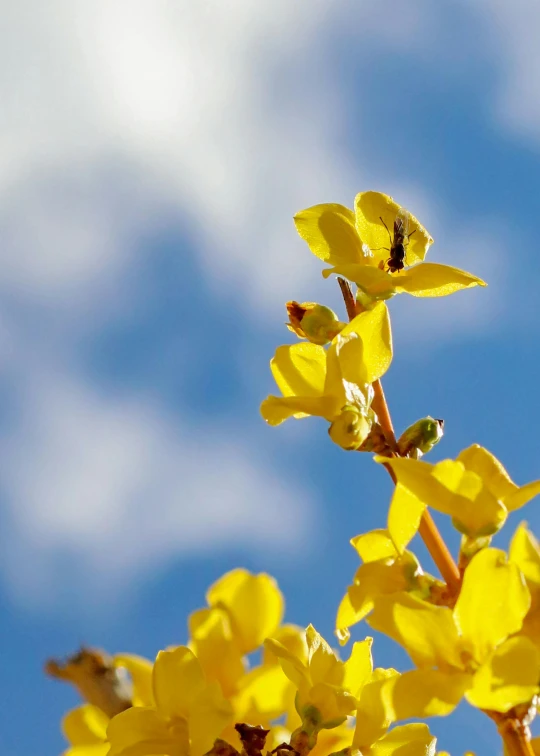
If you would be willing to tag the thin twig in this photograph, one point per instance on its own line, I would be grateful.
(428, 530)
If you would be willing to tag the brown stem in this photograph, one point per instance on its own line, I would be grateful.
(516, 735)
(428, 530)
(348, 297)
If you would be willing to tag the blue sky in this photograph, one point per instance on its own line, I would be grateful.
(154, 155)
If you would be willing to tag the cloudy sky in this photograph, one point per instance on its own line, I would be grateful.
(153, 155)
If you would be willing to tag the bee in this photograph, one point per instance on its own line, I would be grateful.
(396, 261)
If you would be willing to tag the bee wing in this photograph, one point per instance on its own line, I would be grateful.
(403, 218)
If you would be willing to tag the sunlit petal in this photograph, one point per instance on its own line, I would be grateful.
(406, 740)
(178, 677)
(492, 604)
(510, 677)
(425, 693)
(299, 369)
(330, 233)
(428, 633)
(434, 280)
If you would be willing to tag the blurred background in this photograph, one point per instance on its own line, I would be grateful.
(153, 155)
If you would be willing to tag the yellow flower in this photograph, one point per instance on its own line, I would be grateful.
(254, 603)
(320, 382)
(188, 715)
(329, 690)
(384, 571)
(243, 610)
(266, 687)
(327, 687)
(265, 694)
(357, 245)
(465, 652)
(475, 490)
(85, 728)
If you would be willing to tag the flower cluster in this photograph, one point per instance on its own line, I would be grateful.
(245, 682)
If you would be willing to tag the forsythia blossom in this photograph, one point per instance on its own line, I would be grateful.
(245, 684)
(475, 490)
(384, 571)
(188, 715)
(335, 382)
(357, 244)
(468, 651)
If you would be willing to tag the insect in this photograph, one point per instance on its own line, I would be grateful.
(396, 261)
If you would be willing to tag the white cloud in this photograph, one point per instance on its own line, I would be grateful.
(116, 114)
(115, 490)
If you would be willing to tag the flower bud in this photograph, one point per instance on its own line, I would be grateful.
(312, 321)
(350, 428)
(420, 437)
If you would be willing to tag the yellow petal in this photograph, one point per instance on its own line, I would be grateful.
(434, 280)
(428, 633)
(510, 677)
(475, 510)
(453, 490)
(425, 693)
(265, 694)
(292, 666)
(140, 671)
(142, 731)
(254, 602)
(359, 666)
(525, 552)
(209, 713)
(85, 725)
(330, 233)
(372, 580)
(483, 463)
(346, 618)
(377, 544)
(404, 516)
(373, 329)
(492, 603)
(324, 666)
(299, 369)
(372, 719)
(377, 283)
(292, 637)
(178, 678)
(406, 740)
(522, 496)
(375, 216)
(96, 749)
(333, 703)
(214, 645)
(535, 745)
(332, 741)
(416, 476)
(276, 409)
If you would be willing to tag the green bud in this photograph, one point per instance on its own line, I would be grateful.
(312, 321)
(420, 437)
(350, 429)
(471, 546)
